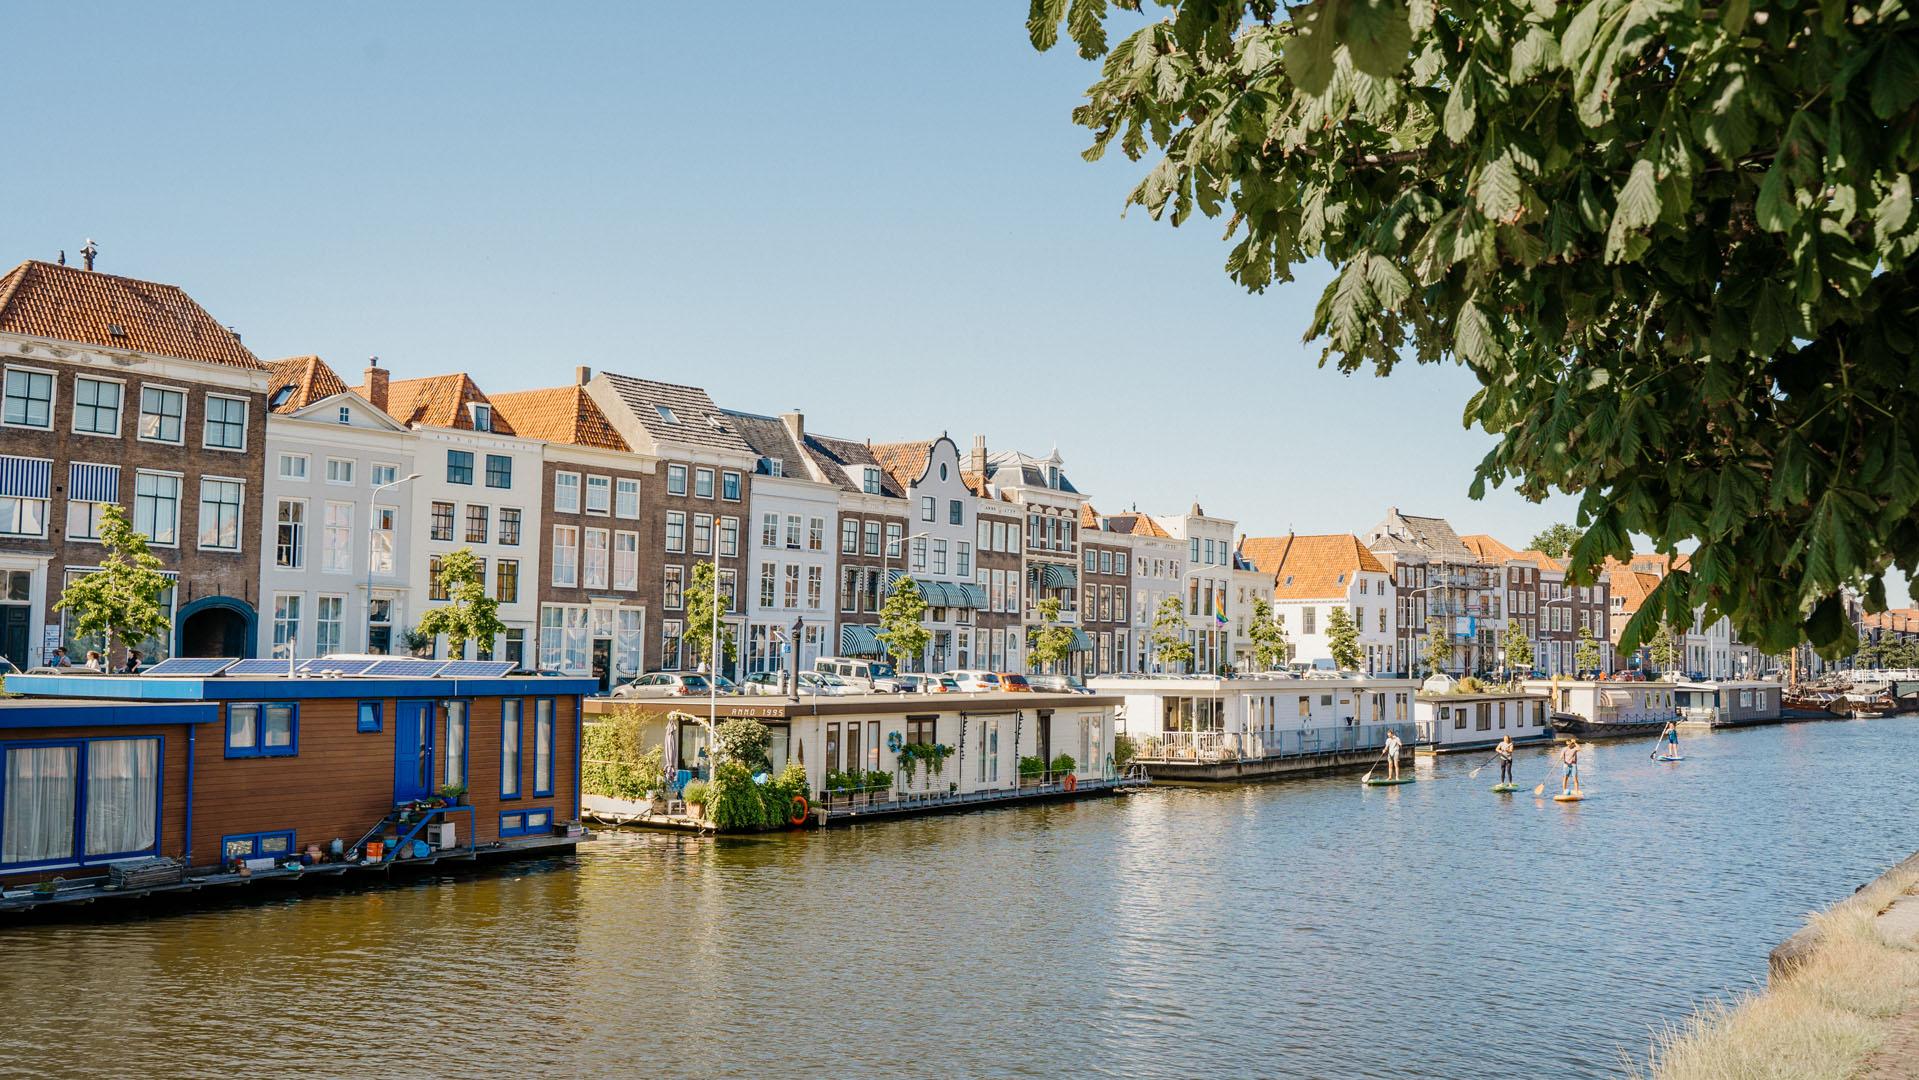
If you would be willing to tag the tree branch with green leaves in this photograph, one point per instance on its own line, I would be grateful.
(1673, 242)
(119, 602)
(470, 613)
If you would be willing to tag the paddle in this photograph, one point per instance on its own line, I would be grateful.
(1656, 744)
(1474, 775)
(1368, 778)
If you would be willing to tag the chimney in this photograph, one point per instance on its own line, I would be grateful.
(976, 463)
(795, 422)
(582, 375)
(89, 252)
(375, 383)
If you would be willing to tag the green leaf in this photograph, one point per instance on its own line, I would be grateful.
(1895, 77)
(1473, 338)
(1461, 109)
(1042, 22)
(1637, 209)
(1378, 36)
(1086, 21)
(1774, 209)
(1310, 51)
(1499, 190)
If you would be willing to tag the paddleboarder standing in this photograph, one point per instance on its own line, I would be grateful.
(1504, 751)
(1392, 755)
(1569, 754)
(1670, 740)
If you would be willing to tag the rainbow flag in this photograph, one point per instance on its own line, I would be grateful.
(1219, 615)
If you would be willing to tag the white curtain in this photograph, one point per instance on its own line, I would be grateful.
(37, 822)
(123, 788)
(543, 747)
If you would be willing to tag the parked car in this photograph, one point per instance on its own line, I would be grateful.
(765, 684)
(975, 682)
(1058, 684)
(865, 676)
(1012, 682)
(665, 684)
(928, 684)
(825, 685)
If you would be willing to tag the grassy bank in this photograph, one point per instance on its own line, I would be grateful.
(1821, 1019)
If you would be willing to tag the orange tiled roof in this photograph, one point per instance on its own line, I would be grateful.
(312, 380)
(905, 462)
(1310, 567)
(562, 414)
(1630, 587)
(1088, 517)
(437, 401)
(1902, 619)
(43, 299)
(1487, 548)
(1540, 559)
(1138, 525)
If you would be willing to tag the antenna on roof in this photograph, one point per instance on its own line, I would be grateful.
(89, 252)
(63, 256)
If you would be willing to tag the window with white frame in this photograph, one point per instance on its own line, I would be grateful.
(336, 538)
(927, 503)
(873, 538)
(599, 495)
(676, 531)
(769, 530)
(156, 507)
(381, 475)
(815, 587)
(702, 534)
(626, 561)
(566, 555)
(729, 536)
(593, 558)
(329, 614)
(226, 423)
(96, 406)
(289, 542)
(793, 531)
(339, 470)
(769, 583)
(293, 466)
(163, 413)
(730, 486)
(286, 625)
(29, 399)
(90, 488)
(702, 483)
(816, 534)
(791, 594)
(478, 520)
(676, 479)
(963, 563)
(566, 493)
(380, 556)
(220, 501)
(626, 497)
(870, 480)
(849, 536)
(673, 588)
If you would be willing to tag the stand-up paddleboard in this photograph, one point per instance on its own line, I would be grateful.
(1383, 781)
(1663, 757)
(1505, 787)
(1574, 797)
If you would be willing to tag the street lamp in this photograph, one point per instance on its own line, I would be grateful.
(372, 530)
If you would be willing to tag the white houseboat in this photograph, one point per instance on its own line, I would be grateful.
(1447, 719)
(1600, 708)
(1720, 703)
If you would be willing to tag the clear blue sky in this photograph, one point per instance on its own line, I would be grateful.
(873, 212)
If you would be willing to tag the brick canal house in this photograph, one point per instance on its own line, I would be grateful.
(1000, 561)
(871, 532)
(1446, 582)
(1155, 576)
(126, 391)
(599, 559)
(209, 769)
(1050, 505)
(701, 502)
(336, 543)
(1106, 575)
(792, 573)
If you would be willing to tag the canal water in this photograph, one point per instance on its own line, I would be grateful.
(1310, 928)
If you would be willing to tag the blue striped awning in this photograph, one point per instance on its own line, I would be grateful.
(1082, 642)
(25, 477)
(859, 640)
(1058, 576)
(93, 483)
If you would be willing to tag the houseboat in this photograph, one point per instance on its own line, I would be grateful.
(1718, 703)
(206, 773)
(1448, 720)
(1205, 728)
(874, 756)
(1606, 708)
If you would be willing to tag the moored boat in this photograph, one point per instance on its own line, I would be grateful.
(1574, 724)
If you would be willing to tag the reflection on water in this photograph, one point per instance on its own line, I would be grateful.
(1311, 928)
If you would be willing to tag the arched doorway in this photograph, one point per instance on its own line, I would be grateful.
(214, 626)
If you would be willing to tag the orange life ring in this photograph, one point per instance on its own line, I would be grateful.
(1071, 783)
(801, 809)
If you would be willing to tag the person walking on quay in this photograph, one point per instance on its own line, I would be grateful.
(1393, 745)
(60, 658)
(1569, 755)
(95, 662)
(1504, 751)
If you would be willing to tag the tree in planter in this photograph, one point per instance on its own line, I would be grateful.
(696, 635)
(1586, 655)
(1271, 649)
(1673, 243)
(1439, 647)
(1051, 642)
(1342, 639)
(1170, 646)
(119, 602)
(1663, 649)
(903, 623)
(1555, 539)
(1519, 648)
(470, 614)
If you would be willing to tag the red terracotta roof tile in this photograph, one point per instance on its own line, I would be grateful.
(563, 414)
(311, 378)
(1311, 567)
(42, 299)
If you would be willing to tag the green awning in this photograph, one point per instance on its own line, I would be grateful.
(1082, 642)
(952, 594)
(859, 641)
(1058, 576)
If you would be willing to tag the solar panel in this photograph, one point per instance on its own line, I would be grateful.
(475, 669)
(261, 667)
(404, 668)
(338, 666)
(191, 666)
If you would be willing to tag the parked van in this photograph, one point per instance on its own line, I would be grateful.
(864, 676)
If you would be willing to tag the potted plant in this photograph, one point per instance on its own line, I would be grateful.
(695, 794)
(452, 793)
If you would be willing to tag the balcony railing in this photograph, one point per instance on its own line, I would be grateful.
(1265, 743)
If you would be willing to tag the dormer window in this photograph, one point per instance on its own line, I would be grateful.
(666, 414)
(1342, 579)
(482, 414)
(1289, 579)
(870, 482)
(1052, 477)
(775, 466)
